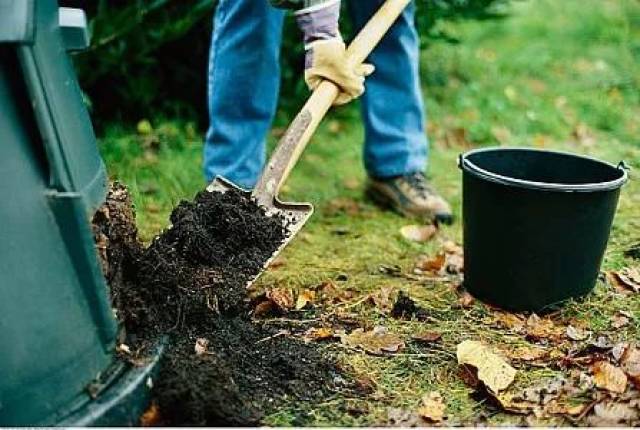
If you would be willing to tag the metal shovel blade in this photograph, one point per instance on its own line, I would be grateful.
(294, 214)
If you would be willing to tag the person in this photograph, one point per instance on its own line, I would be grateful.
(244, 84)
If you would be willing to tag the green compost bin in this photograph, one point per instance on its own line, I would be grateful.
(57, 329)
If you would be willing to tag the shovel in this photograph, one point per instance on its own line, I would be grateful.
(302, 129)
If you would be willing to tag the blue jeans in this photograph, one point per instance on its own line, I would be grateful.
(244, 82)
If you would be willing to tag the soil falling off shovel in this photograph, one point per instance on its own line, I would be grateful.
(299, 133)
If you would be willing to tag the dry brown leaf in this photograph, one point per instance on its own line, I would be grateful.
(427, 336)
(418, 233)
(343, 205)
(383, 299)
(575, 333)
(630, 362)
(466, 300)
(151, 417)
(351, 183)
(305, 298)
(609, 377)
(201, 346)
(510, 321)
(619, 320)
(457, 138)
(397, 417)
(334, 294)
(454, 263)
(493, 370)
(376, 341)
(627, 280)
(429, 264)
(433, 407)
(583, 135)
(282, 297)
(543, 328)
(501, 134)
(263, 308)
(610, 412)
(318, 333)
(530, 353)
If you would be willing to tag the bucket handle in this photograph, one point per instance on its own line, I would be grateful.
(623, 166)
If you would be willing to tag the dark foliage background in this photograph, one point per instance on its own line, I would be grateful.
(148, 58)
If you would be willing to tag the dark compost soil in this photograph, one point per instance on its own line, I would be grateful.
(189, 285)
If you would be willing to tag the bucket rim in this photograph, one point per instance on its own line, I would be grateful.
(467, 166)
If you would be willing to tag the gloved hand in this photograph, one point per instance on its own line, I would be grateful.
(326, 57)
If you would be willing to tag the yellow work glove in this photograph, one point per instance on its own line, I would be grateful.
(327, 60)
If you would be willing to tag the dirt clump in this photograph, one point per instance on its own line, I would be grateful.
(188, 285)
(406, 308)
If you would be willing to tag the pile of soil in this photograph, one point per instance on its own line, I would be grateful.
(189, 285)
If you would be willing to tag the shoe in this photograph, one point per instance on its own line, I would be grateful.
(411, 196)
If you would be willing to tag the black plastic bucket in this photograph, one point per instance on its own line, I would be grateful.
(536, 224)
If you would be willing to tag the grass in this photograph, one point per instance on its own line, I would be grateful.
(554, 74)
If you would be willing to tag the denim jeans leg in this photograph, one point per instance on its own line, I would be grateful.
(392, 107)
(244, 81)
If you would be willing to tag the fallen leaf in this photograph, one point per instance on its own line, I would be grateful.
(201, 346)
(510, 321)
(282, 297)
(263, 308)
(280, 261)
(151, 417)
(454, 264)
(630, 362)
(627, 280)
(418, 233)
(318, 333)
(610, 412)
(609, 377)
(427, 336)
(429, 264)
(351, 183)
(501, 134)
(466, 300)
(618, 350)
(305, 298)
(493, 370)
(450, 247)
(583, 135)
(397, 417)
(457, 138)
(577, 334)
(343, 205)
(432, 407)
(376, 341)
(619, 320)
(333, 293)
(542, 328)
(383, 299)
(549, 397)
(530, 353)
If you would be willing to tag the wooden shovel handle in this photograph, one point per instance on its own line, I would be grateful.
(303, 127)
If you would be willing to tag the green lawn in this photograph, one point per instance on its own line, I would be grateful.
(553, 74)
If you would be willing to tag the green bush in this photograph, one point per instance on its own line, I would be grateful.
(148, 58)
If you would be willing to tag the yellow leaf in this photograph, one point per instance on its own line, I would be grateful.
(418, 233)
(609, 377)
(319, 333)
(304, 298)
(493, 370)
(376, 341)
(432, 407)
